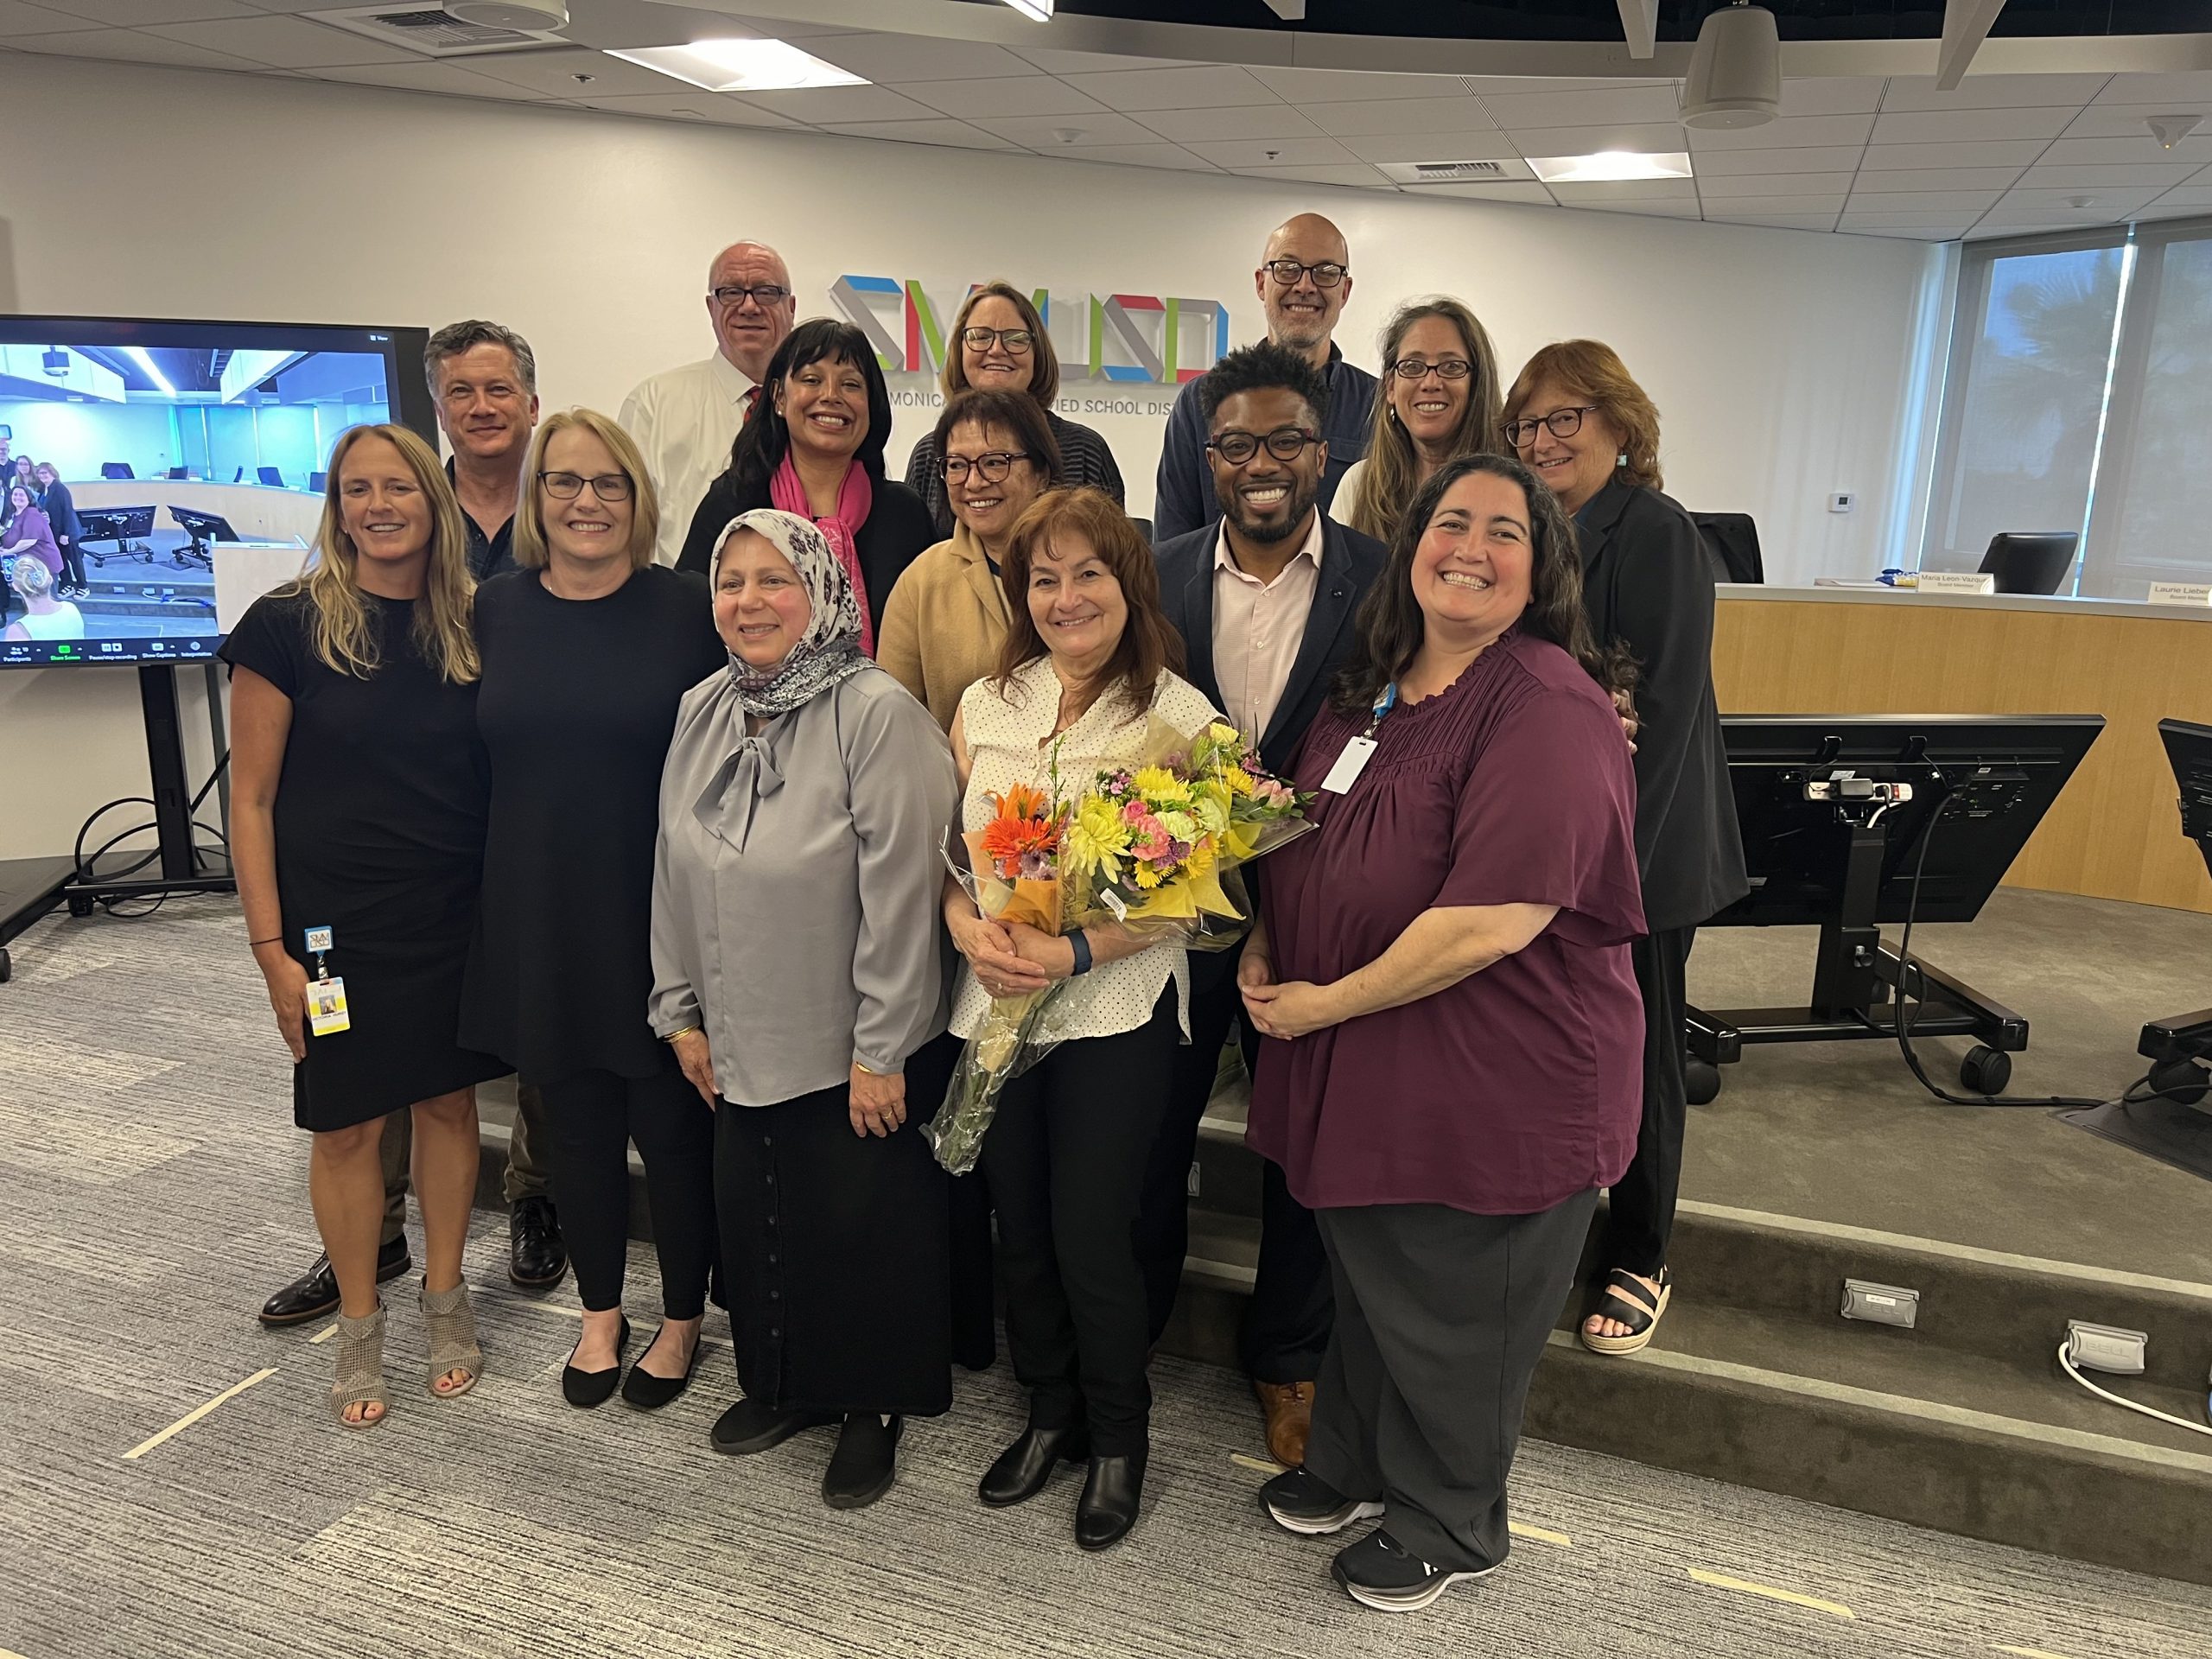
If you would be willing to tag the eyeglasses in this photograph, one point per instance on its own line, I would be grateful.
(1287, 271)
(1016, 340)
(1284, 443)
(1447, 368)
(994, 467)
(1563, 424)
(566, 487)
(766, 295)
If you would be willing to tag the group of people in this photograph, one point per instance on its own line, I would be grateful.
(622, 755)
(39, 537)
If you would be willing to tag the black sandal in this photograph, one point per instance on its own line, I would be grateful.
(1628, 1301)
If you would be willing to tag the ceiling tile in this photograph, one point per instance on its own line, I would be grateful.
(1903, 204)
(1205, 87)
(890, 60)
(2196, 149)
(2176, 204)
(1961, 216)
(1913, 92)
(1936, 178)
(783, 30)
(1003, 96)
(2187, 87)
(2126, 121)
(1490, 146)
(16, 18)
(1653, 138)
(1905, 233)
(1807, 158)
(1632, 104)
(955, 135)
(1237, 121)
(701, 108)
(1534, 193)
(287, 43)
(1237, 154)
(1042, 132)
(1811, 202)
(1053, 62)
(1670, 208)
(128, 46)
(822, 107)
(448, 78)
(1965, 126)
(1787, 134)
(1169, 156)
(2162, 174)
(1514, 85)
(138, 14)
(1656, 191)
(2105, 202)
(1766, 184)
(1355, 174)
(1988, 152)
(554, 72)
(1348, 86)
(1831, 95)
(1403, 115)
(1772, 221)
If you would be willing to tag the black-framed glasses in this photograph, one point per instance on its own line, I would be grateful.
(766, 295)
(1562, 423)
(993, 466)
(566, 487)
(1284, 443)
(1286, 272)
(1016, 340)
(1445, 368)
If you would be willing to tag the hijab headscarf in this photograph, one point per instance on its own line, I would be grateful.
(829, 652)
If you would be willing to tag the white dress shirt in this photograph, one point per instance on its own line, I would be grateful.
(684, 421)
(1257, 628)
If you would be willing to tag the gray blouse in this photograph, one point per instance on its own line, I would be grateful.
(797, 885)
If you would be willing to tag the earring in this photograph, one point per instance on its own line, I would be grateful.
(1621, 460)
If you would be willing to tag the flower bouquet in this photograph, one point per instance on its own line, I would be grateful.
(1150, 848)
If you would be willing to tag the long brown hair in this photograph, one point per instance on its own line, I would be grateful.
(1391, 626)
(443, 629)
(1149, 644)
(1592, 372)
(1388, 480)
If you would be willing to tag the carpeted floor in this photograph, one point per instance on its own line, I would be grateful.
(155, 1194)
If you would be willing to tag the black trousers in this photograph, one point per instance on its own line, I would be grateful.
(1641, 1207)
(1066, 1156)
(1441, 1318)
(72, 562)
(1286, 1325)
(593, 1116)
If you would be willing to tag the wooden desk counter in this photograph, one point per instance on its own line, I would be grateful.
(2116, 832)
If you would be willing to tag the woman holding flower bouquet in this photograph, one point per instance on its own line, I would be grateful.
(1085, 676)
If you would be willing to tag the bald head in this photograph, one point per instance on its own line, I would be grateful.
(747, 330)
(1302, 312)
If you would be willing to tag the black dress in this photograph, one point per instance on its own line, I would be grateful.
(579, 699)
(379, 823)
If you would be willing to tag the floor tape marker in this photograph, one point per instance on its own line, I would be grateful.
(1258, 1466)
(196, 1413)
(1722, 1581)
(325, 1334)
(2032, 1653)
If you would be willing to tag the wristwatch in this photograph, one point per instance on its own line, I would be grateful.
(1082, 945)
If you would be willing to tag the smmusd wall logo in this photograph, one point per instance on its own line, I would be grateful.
(1134, 341)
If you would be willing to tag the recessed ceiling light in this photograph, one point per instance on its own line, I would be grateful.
(1041, 11)
(1610, 165)
(741, 66)
(143, 359)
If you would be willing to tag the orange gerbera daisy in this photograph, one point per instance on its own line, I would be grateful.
(1023, 832)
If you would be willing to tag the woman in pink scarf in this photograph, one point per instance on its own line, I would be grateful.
(813, 446)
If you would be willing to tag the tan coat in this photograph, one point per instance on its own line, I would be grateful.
(944, 624)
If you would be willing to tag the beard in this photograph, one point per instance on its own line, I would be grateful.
(1268, 533)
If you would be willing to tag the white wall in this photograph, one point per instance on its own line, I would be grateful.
(1780, 359)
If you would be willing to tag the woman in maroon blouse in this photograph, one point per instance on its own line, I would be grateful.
(1457, 1061)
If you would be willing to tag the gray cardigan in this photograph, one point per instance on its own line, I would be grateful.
(797, 885)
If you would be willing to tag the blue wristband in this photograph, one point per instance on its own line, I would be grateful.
(1082, 953)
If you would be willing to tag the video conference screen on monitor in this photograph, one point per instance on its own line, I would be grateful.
(160, 474)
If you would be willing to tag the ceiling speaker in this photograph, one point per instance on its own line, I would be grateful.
(510, 14)
(1735, 78)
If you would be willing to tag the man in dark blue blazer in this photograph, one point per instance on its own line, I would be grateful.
(1264, 600)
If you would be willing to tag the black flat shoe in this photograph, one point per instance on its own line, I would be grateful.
(650, 1392)
(1107, 1509)
(585, 1389)
(536, 1254)
(754, 1426)
(1023, 1468)
(315, 1293)
(865, 1462)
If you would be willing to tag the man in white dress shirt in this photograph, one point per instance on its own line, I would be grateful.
(686, 419)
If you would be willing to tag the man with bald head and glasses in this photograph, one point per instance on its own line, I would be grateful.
(686, 419)
(1303, 280)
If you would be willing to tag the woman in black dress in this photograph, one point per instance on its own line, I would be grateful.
(814, 446)
(60, 510)
(359, 791)
(588, 648)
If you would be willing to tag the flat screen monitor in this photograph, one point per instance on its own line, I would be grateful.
(2189, 750)
(1994, 776)
(142, 418)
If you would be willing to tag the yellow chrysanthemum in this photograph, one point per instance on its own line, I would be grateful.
(1238, 779)
(1096, 840)
(1154, 782)
(1145, 876)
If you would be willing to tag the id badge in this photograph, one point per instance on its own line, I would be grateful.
(1353, 761)
(326, 1007)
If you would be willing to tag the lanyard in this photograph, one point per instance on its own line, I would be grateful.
(1383, 705)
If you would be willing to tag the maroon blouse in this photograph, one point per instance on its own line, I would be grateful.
(1522, 1085)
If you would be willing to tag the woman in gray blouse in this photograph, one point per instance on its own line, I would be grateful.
(797, 972)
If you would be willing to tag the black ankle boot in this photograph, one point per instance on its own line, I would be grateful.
(1107, 1509)
(1024, 1467)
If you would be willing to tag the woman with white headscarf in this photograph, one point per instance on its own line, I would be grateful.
(798, 975)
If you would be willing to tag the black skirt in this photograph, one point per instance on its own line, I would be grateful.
(834, 1251)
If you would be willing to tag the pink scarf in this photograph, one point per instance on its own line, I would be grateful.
(854, 496)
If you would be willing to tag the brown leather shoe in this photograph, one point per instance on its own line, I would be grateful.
(1289, 1406)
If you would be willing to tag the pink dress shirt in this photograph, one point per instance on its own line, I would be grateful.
(1257, 628)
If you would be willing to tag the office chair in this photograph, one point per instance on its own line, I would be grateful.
(318, 482)
(1731, 546)
(2030, 561)
(238, 477)
(116, 469)
(180, 471)
(270, 476)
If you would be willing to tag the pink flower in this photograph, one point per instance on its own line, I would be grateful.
(1134, 813)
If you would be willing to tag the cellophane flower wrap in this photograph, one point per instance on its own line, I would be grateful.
(1150, 849)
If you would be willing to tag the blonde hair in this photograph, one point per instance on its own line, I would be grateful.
(1593, 372)
(441, 631)
(1392, 476)
(644, 504)
(31, 578)
(1044, 362)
